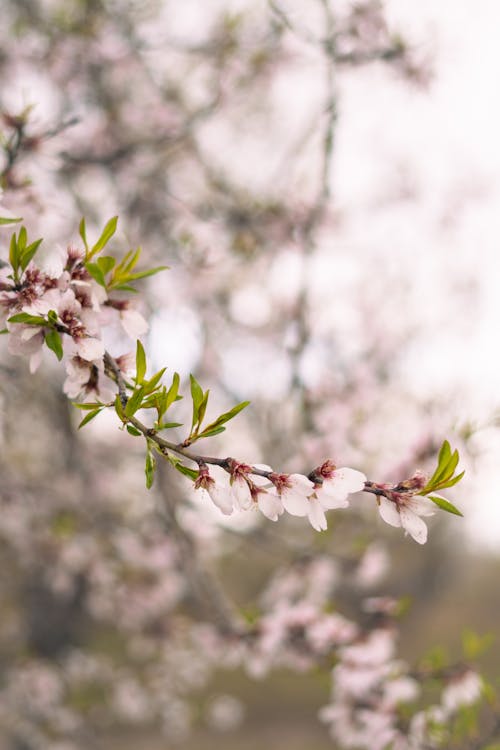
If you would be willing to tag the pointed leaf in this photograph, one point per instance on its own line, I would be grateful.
(29, 254)
(227, 416)
(34, 320)
(132, 430)
(445, 505)
(106, 263)
(54, 342)
(149, 469)
(7, 220)
(96, 273)
(88, 417)
(197, 397)
(134, 403)
(83, 234)
(106, 235)
(140, 363)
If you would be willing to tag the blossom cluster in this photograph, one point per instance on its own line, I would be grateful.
(296, 494)
(370, 686)
(66, 309)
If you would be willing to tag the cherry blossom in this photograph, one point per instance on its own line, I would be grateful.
(405, 511)
(221, 495)
(337, 484)
(462, 690)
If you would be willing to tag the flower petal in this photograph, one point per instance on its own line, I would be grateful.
(295, 502)
(316, 515)
(414, 525)
(331, 502)
(270, 505)
(389, 512)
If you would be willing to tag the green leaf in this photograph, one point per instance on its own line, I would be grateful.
(35, 320)
(14, 253)
(173, 391)
(449, 482)
(203, 407)
(213, 431)
(53, 341)
(131, 429)
(106, 263)
(96, 273)
(87, 405)
(140, 363)
(88, 417)
(22, 240)
(168, 425)
(134, 402)
(29, 253)
(197, 397)
(106, 235)
(474, 645)
(119, 408)
(226, 416)
(7, 220)
(445, 505)
(83, 234)
(145, 274)
(151, 384)
(149, 469)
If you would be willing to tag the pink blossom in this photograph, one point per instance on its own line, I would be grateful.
(337, 485)
(406, 511)
(462, 690)
(270, 504)
(221, 495)
(294, 490)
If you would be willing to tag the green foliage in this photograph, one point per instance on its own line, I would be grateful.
(444, 476)
(200, 401)
(474, 645)
(150, 467)
(105, 236)
(53, 341)
(105, 270)
(140, 363)
(20, 253)
(90, 416)
(445, 505)
(6, 220)
(185, 470)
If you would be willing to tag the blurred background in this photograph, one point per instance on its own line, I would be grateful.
(322, 179)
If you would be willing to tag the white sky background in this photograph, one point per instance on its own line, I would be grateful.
(439, 149)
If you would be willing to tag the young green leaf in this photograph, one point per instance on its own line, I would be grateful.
(173, 391)
(119, 408)
(29, 253)
(14, 253)
(149, 469)
(83, 234)
(445, 505)
(7, 220)
(96, 273)
(135, 402)
(140, 363)
(88, 417)
(106, 235)
(225, 417)
(106, 263)
(197, 397)
(53, 341)
(131, 429)
(35, 320)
